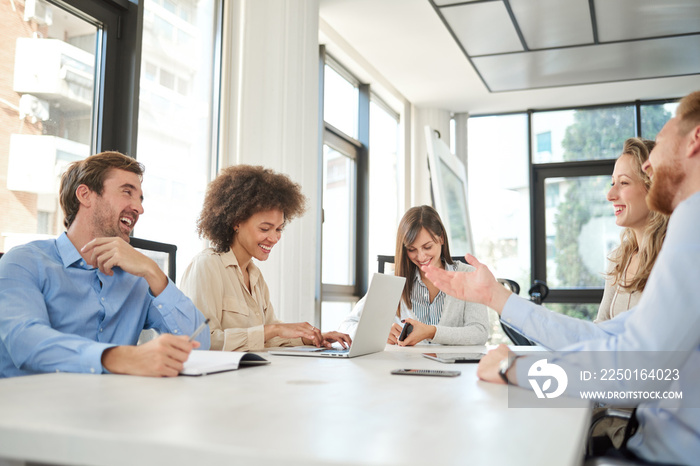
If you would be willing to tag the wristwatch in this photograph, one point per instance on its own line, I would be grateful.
(505, 366)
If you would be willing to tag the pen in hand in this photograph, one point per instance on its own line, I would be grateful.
(199, 330)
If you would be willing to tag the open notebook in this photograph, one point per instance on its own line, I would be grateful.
(211, 362)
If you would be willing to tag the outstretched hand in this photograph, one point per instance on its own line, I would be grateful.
(479, 286)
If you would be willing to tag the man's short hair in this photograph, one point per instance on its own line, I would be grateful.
(689, 111)
(92, 172)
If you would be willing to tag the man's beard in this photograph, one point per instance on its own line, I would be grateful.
(664, 188)
(104, 223)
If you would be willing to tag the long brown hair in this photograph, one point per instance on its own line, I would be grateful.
(413, 221)
(655, 229)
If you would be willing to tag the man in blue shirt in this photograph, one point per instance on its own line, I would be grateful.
(78, 303)
(665, 323)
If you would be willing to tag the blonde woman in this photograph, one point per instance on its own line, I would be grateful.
(643, 234)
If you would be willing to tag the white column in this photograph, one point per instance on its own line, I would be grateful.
(270, 118)
(420, 177)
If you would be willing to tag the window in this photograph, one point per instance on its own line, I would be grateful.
(47, 93)
(74, 86)
(341, 99)
(654, 116)
(499, 200)
(176, 122)
(384, 181)
(344, 235)
(544, 143)
(572, 223)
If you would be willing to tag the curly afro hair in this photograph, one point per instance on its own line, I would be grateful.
(238, 193)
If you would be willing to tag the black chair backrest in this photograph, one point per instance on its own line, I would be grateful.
(163, 253)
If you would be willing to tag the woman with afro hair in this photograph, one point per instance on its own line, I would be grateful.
(245, 211)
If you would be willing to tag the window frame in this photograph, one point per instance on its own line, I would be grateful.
(358, 151)
(118, 57)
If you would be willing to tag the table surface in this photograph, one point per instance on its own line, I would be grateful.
(297, 410)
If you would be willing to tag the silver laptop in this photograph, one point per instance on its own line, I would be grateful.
(374, 325)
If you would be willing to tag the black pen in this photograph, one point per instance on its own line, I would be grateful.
(199, 330)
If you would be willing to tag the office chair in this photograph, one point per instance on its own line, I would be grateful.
(162, 253)
(538, 292)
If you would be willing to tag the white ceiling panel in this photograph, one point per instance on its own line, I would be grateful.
(622, 61)
(483, 28)
(553, 23)
(406, 46)
(635, 19)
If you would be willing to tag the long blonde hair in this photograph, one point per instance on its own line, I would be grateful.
(655, 230)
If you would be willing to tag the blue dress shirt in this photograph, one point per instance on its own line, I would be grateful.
(58, 313)
(666, 321)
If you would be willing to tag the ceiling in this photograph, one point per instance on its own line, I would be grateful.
(488, 56)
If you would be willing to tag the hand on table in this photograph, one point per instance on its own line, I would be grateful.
(336, 337)
(309, 334)
(161, 357)
(490, 365)
(419, 333)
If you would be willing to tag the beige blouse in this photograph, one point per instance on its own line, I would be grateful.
(237, 316)
(615, 299)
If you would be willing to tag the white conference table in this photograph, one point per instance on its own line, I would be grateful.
(295, 411)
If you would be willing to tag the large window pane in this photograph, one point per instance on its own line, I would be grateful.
(574, 135)
(47, 88)
(580, 229)
(338, 251)
(499, 199)
(384, 184)
(340, 102)
(175, 120)
(654, 117)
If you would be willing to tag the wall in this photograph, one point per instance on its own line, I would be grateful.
(270, 117)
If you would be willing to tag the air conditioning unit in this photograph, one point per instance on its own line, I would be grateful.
(38, 11)
(30, 106)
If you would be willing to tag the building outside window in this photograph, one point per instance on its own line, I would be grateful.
(54, 113)
(47, 91)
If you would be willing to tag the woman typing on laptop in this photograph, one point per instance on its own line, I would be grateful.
(245, 210)
(433, 316)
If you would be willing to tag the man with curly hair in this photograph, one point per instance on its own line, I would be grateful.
(245, 211)
(79, 302)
